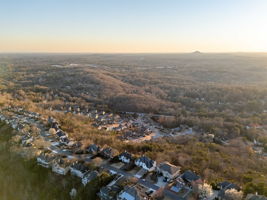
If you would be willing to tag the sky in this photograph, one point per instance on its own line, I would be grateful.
(133, 26)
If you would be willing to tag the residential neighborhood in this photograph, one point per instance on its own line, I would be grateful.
(151, 179)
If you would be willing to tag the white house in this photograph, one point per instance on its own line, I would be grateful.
(125, 157)
(146, 163)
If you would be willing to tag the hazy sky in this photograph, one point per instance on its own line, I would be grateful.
(133, 25)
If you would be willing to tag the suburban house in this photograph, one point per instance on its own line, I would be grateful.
(27, 141)
(191, 178)
(178, 185)
(50, 120)
(125, 157)
(180, 188)
(225, 185)
(64, 140)
(255, 197)
(93, 149)
(89, 176)
(60, 134)
(78, 169)
(76, 145)
(60, 166)
(111, 191)
(107, 153)
(135, 192)
(168, 170)
(55, 126)
(45, 159)
(146, 163)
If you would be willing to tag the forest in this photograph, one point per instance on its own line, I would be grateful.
(220, 94)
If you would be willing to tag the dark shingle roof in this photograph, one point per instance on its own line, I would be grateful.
(55, 125)
(60, 133)
(166, 166)
(126, 155)
(64, 140)
(91, 175)
(255, 197)
(227, 185)
(148, 162)
(133, 192)
(107, 152)
(93, 148)
(46, 156)
(79, 166)
(190, 176)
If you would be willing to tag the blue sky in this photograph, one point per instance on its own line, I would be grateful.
(132, 25)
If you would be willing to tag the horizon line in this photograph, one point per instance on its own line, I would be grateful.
(76, 52)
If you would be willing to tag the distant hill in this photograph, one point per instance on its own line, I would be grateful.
(158, 83)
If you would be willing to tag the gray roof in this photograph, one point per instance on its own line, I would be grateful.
(110, 191)
(107, 152)
(126, 155)
(46, 157)
(171, 169)
(255, 197)
(148, 162)
(93, 148)
(91, 175)
(80, 166)
(105, 190)
(60, 133)
(133, 192)
(55, 125)
(64, 140)
(61, 162)
(190, 176)
(227, 185)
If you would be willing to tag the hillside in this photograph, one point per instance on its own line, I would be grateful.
(223, 95)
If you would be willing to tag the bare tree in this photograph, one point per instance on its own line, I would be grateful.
(233, 194)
